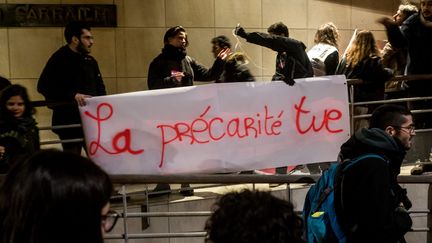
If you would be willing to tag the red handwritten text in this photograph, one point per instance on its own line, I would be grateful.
(329, 115)
(121, 142)
(204, 130)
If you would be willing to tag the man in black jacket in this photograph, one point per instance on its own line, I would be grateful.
(372, 206)
(70, 76)
(174, 68)
(291, 61)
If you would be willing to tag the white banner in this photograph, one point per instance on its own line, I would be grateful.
(218, 127)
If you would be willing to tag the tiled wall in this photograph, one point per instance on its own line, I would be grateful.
(125, 52)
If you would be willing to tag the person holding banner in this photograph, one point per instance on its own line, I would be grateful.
(174, 68)
(291, 61)
(70, 76)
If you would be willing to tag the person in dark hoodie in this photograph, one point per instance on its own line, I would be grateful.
(291, 61)
(374, 205)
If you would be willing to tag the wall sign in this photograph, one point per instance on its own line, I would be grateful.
(57, 15)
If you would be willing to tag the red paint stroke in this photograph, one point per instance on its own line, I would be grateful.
(328, 116)
(121, 142)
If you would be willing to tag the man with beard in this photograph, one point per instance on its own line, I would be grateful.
(174, 68)
(70, 76)
(415, 35)
(372, 206)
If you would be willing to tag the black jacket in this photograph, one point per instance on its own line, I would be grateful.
(66, 74)
(20, 137)
(415, 36)
(235, 70)
(372, 72)
(291, 60)
(175, 59)
(370, 190)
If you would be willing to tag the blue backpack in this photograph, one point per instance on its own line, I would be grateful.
(319, 212)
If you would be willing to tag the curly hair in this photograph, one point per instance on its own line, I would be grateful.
(363, 46)
(328, 34)
(253, 217)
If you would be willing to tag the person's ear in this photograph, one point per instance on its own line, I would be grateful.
(390, 130)
(75, 40)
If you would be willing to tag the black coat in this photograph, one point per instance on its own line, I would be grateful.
(235, 71)
(20, 137)
(372, 72)
(291, 61)
(415, 37)
(175, 59)
(66, 74)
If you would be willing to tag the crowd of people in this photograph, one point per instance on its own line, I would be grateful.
(64, 186)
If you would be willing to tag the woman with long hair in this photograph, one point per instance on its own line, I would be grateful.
(324, 55)
(19, 134)
(362, 61)
(53, 197)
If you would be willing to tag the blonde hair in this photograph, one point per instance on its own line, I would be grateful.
(362, 47)
(328, 34)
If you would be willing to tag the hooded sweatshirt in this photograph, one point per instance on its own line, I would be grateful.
(367, 206)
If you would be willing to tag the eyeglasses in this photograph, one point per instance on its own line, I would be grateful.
(87, 37)
(410, 128)
(109, 220)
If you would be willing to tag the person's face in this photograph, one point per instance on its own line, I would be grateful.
(104, 212)
(426, 8)
(178, 40)
(216, 49)
(86, 41)
(16, 106)
(405, 132)
(108, 219)
(399, 17)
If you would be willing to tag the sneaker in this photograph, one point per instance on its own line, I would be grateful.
(160, 190)
(417, 170)
(186, 190)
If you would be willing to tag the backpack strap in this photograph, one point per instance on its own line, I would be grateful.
(351, 162)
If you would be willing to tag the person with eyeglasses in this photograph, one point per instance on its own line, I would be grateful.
(53, 197)
(372, 207)
(69, 77)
